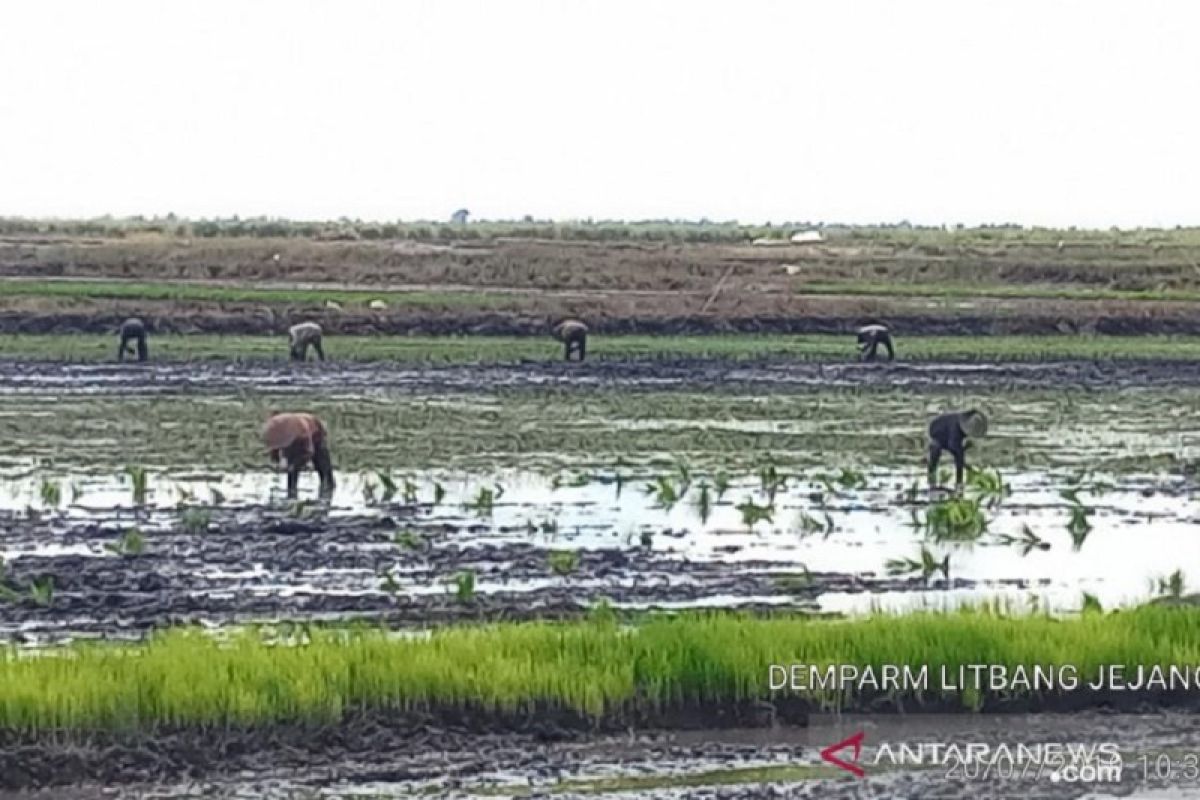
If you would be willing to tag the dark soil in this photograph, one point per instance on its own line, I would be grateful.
(707, 374)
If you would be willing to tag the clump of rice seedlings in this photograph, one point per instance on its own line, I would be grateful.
(549, 526)
(752, 513)
(646, 539)
(1028, 541)
(41, 591)
(388, 583)
(925, 564)
(408, 539)
(703, 503)
(131, 543)
(563, 562)
(720, 484)
(685, 477)
(1079, 525)
(1091, 604)
(51, 492)
(664, 491)
(196, 520)
(485, 500)
(988, 485)
(387, 484)
(464, 586)
(409, 492)
(956, 519)
(138, 484)
(1171, 586)
(770, 480)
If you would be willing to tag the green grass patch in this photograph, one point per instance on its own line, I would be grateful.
(594, 667)
(207, 293)
(502, 349)
(966, 291)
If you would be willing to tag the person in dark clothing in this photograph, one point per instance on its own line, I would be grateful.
(133, 329)
(573, 334)
(869, 339)
(950, 432)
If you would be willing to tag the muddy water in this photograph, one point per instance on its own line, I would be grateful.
(1136, 530)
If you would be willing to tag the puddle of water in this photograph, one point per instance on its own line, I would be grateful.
(1135, 537)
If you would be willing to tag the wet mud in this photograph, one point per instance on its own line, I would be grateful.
(659, 374)
(261, 565)
(382, 755)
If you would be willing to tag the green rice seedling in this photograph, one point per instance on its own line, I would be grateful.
(1028, 541)
(409, 493)
(808, 524)
(464, 586)
(215, 496)
(646, 539)
(685, 477)
(1172, 586)
(388, 485)
(721, 484)
(770, 480)
(549, 527)
(76, 493)
(665, 493)
(703, 503)
(51, 492)
(138, 484)
(131, 543)
(957, 519)
(563, 562)
(1079, 526)
(1091, 604)
(388, 583)
(925, 563)
(752, 513)
(184, 495)
(988, 485)
(368, 493)
(602, 614)
(409, 540)
(196, 520)
(439, 494)
(41, 591)
(851, 479)
(485, 500)
(581, 479)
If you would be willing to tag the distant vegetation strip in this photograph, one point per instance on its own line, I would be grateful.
(499, 349)
(660, 230)
(596, 667)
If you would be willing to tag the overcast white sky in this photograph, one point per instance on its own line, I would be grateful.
(1052, 113)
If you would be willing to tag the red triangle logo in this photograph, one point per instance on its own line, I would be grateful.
(854, 741)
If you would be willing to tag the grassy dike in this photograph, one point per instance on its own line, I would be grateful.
(596, 667)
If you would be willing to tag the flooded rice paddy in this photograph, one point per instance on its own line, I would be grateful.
(540, 490)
